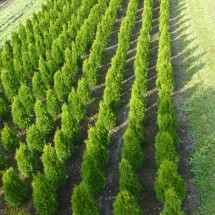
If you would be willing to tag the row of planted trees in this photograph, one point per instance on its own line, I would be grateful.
(45, 122)
(96, 154)
(169, 186)
(132, 154)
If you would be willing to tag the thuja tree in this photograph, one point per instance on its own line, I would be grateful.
(82, 201)
(38, 86)
(168, 177)
(26, 98)
(45, 73)
(172, 204)
(44, 197)
(20, 117)
(54, 171)
(52, 103)
(70, 126)
(9, 138)
(126, 204)
(26, 162)
(63, 146)
(92, 176)
(35, 139)
(15, 191)
(7, 56)
(9, 83)
(44, 120)
(128, 179)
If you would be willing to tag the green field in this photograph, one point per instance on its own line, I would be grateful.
(14, 12)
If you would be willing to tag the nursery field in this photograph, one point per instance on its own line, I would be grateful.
(106, 107)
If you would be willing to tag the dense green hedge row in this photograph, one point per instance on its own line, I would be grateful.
(95, 155)
(132, 155)
(169, 186)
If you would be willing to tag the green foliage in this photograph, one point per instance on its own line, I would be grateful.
(82, 201)
(20, 117)
(44, 120)
(128, 179)
(54, 171)
(3, 161)
(132, 150)
(60, 87)
(63, 146)
(4, 110)
(9, 138)
(52, 103)
(26, 162)
(35, 139)
(44, 197)
(172, 204)
(45, 73)
(15, 191)
(7, 56)
(76, 105)
(38, 86)
(126, 204)
(92, 176)
(9, 84)
(83, 91)
(168, 177)
(26, 98)
(165, 148)
(69, 126)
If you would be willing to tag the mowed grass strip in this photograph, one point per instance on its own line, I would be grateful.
(14, 12)
(197, 40)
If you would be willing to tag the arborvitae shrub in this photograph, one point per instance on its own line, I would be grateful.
(9, 84)
(83, 91)
(126, 204)
(4, 110)
(20, 117)
(7, 56)
(26, 98)
(76, 105)
(32, 53)
(38, 86)
(35, 139)
(128, 178)
(132, 150)
(44, 197)
(26, 162)
(15, 191)
(92, 176)
(45, 73)
(52, 103)
(63, 146)
(82, 201)
(60, 87)
(3, 161)
(168, 177)
(9, 138)
(54, 171)
(70, 126)
(172, 204)
(165, 148)
(44, 120)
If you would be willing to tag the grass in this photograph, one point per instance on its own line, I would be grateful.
(15, 12)
(197, 18)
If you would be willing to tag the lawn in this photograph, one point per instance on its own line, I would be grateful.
(14, 12)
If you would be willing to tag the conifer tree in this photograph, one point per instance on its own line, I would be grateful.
(20, 117)
(3, 161)
(4, 110)
(45, 73)
(38, 86)
(35, 139)
(44, 120)
(7, 56)
(15, 191)
(44, 197)
(26, 162)
(52, 103)
(82, 201)
(54, 171)
(26, 98)
(9, 138)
